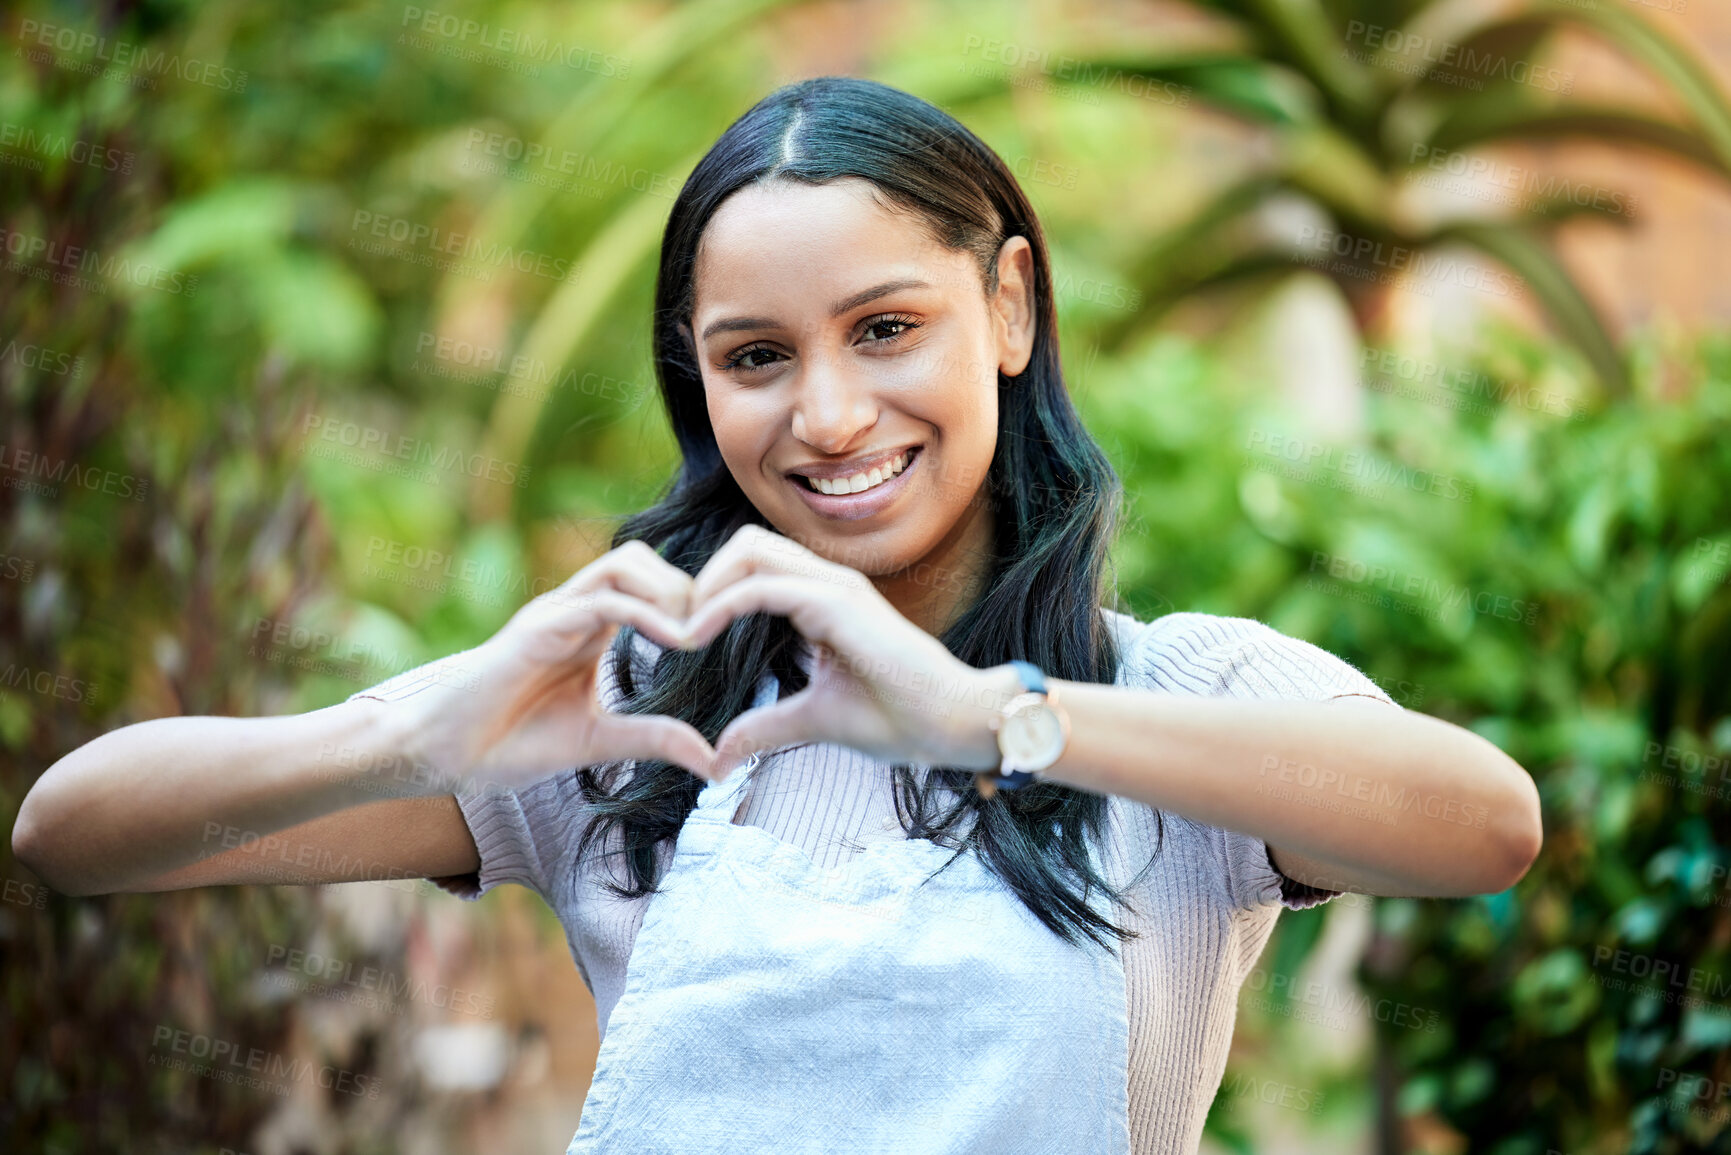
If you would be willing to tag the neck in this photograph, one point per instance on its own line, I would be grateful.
(936, 590)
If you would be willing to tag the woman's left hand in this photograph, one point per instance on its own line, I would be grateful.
(880, 684)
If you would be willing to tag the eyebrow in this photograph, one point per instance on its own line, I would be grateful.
(865, 296)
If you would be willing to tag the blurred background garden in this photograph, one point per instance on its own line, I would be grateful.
(1406, 324)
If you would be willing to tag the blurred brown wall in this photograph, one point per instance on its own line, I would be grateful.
(1670, 264)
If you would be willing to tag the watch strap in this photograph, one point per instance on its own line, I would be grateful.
(1033, 678)
(1033, 681)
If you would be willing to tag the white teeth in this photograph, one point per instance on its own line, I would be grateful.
(860, 482)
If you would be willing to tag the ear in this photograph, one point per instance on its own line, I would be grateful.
(1013, 306)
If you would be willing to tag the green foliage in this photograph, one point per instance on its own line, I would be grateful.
(226, 520)
(1601, 523)
(1360, 98)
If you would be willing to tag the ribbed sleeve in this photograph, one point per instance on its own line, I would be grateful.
(1215, 656)
(509, 828)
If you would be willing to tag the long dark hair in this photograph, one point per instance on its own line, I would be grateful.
(1052, 492)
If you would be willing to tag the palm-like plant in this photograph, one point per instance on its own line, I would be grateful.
(1359, 96)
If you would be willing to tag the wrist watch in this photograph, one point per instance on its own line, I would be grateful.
(1032, 731)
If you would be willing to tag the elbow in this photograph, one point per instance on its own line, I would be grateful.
(28, 843)
(33, 844)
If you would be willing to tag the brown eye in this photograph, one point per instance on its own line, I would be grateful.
(737, 359)
(903, 326)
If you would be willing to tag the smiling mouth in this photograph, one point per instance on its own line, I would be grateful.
(862, 482)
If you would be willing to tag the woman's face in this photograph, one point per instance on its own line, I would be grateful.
(838, 339)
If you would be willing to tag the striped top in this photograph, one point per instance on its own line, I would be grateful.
(1204, 909)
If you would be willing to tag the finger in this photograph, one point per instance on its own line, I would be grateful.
(640, 570)
(755, 550)
(581, 611)
(636, 569)
(644, 736)
(790, 722)
(808, 606)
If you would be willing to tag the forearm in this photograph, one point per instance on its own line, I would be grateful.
(154, 796)
(1393, 800)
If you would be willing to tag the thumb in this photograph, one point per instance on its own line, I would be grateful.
(618, 737)
(789, 722)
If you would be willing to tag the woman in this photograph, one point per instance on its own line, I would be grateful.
(1000, 857)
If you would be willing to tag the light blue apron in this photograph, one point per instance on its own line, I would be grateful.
(771, 1005)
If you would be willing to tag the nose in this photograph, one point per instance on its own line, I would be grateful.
(831, 405)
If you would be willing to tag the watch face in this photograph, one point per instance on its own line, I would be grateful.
(1033, 737)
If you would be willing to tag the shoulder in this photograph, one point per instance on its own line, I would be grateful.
(1216, 655)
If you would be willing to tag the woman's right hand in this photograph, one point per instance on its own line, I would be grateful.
(528, 706)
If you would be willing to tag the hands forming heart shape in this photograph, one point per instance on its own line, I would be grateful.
(879, 683)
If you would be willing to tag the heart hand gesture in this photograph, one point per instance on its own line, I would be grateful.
(880, 684)
(530, 705)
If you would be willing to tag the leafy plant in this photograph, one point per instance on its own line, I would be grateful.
(1358, 98)
(1576, 610)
